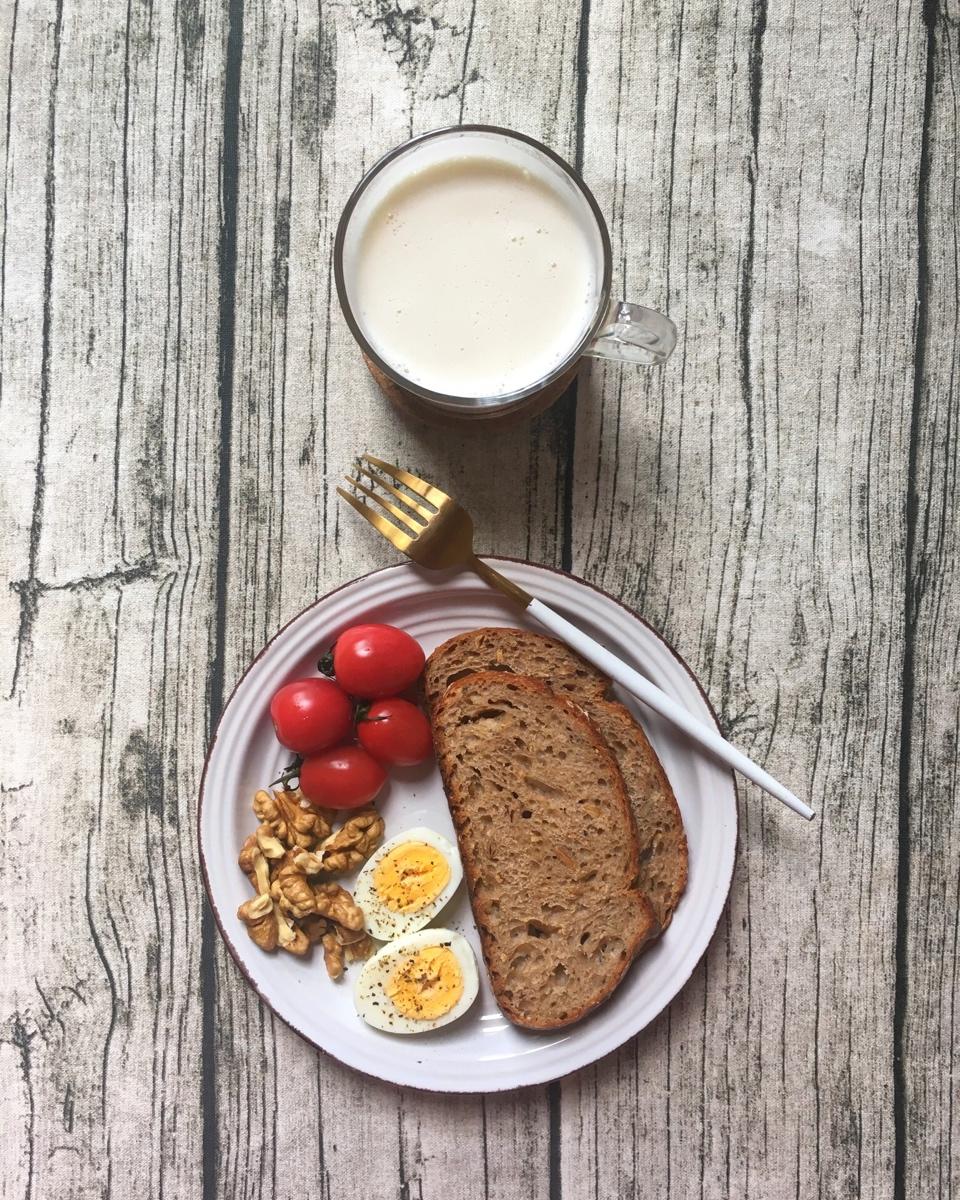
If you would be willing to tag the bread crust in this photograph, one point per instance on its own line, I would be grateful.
(663, 848)
(589, 680)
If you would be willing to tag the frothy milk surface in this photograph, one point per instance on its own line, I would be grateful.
(474, 277)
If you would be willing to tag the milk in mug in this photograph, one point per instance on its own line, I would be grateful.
(475, 276)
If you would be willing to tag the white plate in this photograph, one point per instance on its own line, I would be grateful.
(482, 1052)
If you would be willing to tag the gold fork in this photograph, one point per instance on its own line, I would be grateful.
(431, 528)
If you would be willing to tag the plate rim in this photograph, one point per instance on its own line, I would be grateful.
(235, 954)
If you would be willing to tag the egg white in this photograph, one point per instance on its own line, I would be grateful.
(382, 922)
(370, 997)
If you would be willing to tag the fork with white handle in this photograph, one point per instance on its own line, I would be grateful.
(428, 526)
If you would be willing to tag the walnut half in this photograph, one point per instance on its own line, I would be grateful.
(254, 865)
(354, 843)
(335, 903)
(292, 824)
(291, 889)
(257, 915)
(332, 955)
(291, 937)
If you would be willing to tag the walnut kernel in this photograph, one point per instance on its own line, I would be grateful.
(354, 843)
(338, 905)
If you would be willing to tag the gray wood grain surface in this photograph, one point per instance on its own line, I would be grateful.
(178, 391)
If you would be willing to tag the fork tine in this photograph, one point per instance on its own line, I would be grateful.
(381, 524)
(404, 519)
(402, 496)
(431, 494)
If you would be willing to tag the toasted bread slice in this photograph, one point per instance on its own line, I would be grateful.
(516, 650)
(548, 843)
(662, 871)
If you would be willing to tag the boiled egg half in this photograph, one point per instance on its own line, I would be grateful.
(418, 982)
(407, 882)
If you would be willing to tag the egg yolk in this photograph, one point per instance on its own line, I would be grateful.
(427, 984)
(410, 876)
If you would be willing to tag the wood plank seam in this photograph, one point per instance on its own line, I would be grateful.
(911, 602)
(227, 262)
(567, 408)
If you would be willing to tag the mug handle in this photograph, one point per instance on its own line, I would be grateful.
(634, 334)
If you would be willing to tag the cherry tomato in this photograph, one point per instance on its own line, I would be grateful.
(343, 778)
(310, 715)
(373, 661)
(395, 731)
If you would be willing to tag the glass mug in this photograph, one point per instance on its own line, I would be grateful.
(436, 182)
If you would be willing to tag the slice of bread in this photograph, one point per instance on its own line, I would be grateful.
(548, 843)
(663, 845)
(662, 873)
(516, 650)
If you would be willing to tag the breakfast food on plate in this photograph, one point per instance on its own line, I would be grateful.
(406, 882)
(570, 836)
(310, 715)
(373, 661)
(285, 860)
(516, 650)
(321, 720)
(419, 982)
(395, 731)
(662, 872)
(295, 848)
(548, 843)
(346, 777)
(353, 843)
(290, 821)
